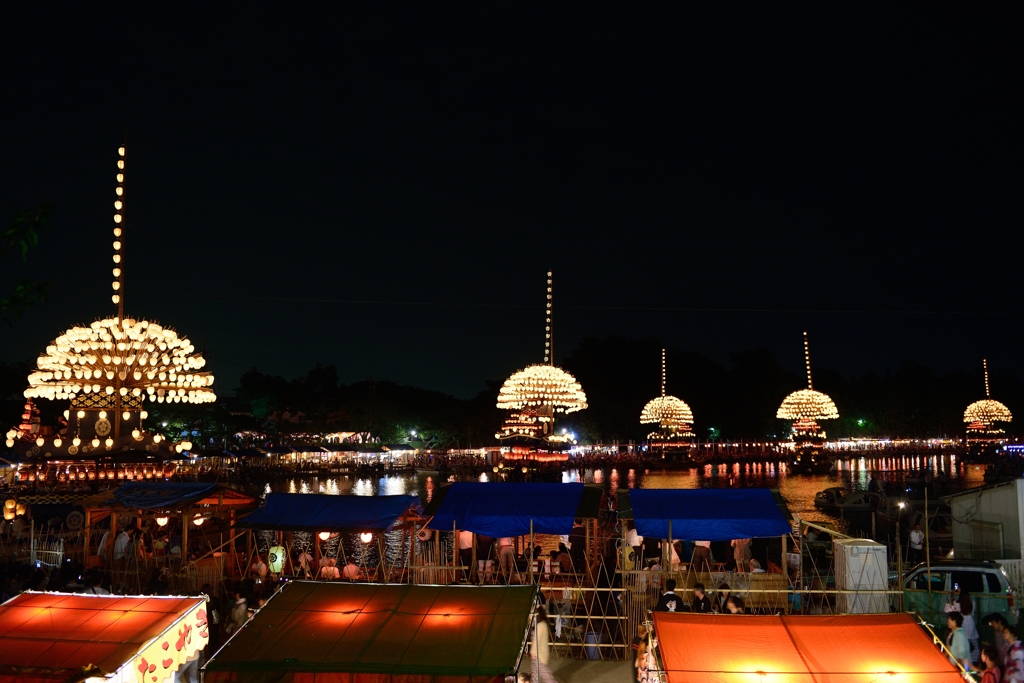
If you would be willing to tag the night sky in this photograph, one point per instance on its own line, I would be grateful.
(383, 188)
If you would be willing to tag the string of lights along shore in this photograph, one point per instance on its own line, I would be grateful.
(109, 369)
(537, 392)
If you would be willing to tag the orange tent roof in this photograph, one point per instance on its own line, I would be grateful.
(52, 636)
(718, 648)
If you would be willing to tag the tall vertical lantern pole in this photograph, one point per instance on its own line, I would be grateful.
(807, 360)
(118, 284)
(984, 364)
(549, 341)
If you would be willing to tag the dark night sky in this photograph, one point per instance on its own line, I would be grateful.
(383, 189)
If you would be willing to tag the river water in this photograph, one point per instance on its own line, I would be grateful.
(949, 474)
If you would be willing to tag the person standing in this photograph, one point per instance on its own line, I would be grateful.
(466, 553)
(1013, 655)
(669, 602)
(957, 641)
(121, 544)
(542, 649)
(701, 559)
(239, 614)
(741, 552)
(916, 554)
(305, 559)
(506, 557)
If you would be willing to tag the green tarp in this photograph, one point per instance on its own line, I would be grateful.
(366, 631)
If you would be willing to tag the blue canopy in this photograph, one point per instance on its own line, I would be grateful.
(506, 508)
(318, 512)
(707, 514)
(159, 495)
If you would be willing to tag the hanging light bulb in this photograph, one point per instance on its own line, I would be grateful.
(324, 535)
(103, 415)
(76, 442)
(161, 521)
(95, 443)
(136, 434)
(109, 442)
(126, 415)
(57, 442)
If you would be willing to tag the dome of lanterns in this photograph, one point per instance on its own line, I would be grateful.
(672, 415)
(537, 392)
(107, 371)
(131, 357)
(667, 411)
(807, 404)
(987, 412)
(542, 386)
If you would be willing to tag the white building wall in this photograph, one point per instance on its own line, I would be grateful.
(987, 523)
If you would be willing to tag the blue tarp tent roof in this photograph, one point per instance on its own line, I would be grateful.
(707, 514)
(506, 508)
(156, 495)
(318, 512)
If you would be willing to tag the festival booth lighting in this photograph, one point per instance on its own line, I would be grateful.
(327, 516)
(200, 509)
(877, 648)
(372, 633)
(517, 510)
(702, 515)
(60, 637)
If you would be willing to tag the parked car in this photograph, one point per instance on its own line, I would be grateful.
(985, 580)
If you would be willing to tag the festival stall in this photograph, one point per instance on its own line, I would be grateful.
(373, 633)
(708, 648)
(60, 637)
(329, 517)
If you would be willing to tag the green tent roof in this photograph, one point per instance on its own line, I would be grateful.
(463, 633)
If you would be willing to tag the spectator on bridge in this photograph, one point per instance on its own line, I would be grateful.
(701, 559)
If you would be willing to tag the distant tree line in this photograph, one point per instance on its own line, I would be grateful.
(736, 400)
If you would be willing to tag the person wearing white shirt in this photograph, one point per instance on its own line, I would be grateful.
(466, 552)
(916, 554)
(635, 541)
(121, 545)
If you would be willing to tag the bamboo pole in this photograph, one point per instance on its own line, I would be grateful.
(927, 548)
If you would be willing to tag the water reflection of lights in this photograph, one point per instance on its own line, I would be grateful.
(483, 477)
(363, 487)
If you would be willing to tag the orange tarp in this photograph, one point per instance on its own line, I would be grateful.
(876, 648)
(51, 636)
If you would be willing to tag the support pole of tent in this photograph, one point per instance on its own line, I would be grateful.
(531, 552)
(668, 562)
(927, 549)
(586, 554)
(88, 533)
(184, 541)
(800, 551)
(112, 540)
(472, 561)
(455, 552)
(785, 567)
